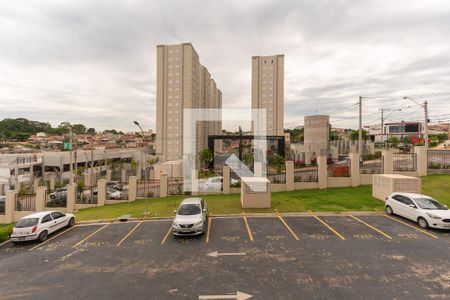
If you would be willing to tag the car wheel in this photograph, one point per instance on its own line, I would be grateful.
(422, 223)
(42, 236)
(389, 210)
(71, 222)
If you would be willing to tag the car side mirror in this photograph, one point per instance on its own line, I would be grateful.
(174, 211)
(204, 210)
(412, 205)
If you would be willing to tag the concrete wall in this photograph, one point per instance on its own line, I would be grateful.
(306, 185)
(334, 182)
(277, 187)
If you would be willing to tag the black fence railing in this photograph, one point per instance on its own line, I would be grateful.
(116, 190)
(374, 166)
(274, 177)
(129, 173)
(2, 204)
(175, 185)
(116, 175)
(439, 159)
(405, 161)
(148, 189)
(56, 199)
(87, 195)
(25, 202)
(306, 174)
(338, 168)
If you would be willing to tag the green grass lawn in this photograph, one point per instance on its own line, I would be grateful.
(336, 200)
(438, 187)
(5, 231)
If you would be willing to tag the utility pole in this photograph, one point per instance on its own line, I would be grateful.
(382, 125)
(425, 108)
(92, 170)
(360, 127)
(143, 167)
(70, 160)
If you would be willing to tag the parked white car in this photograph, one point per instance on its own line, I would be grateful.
(424, 210)
(213, 184)
(39, 225)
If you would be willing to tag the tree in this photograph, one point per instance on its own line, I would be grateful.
(278, 162)
(248, 159)
(134, 164)
(205, 157)
(393, 140)
(355, 135)
(78, 128)
(297, 134)
(333, 136)
(153, 162)
(91, 131)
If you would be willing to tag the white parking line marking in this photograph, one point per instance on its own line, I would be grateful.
(50, 239)
(129, 233)
(89, 236)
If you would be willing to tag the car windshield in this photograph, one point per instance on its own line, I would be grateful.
(189, 209)
(429, 203)
(27, 223)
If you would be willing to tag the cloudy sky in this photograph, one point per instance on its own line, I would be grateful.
(94, 62)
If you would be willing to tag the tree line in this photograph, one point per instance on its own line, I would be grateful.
(21, 129)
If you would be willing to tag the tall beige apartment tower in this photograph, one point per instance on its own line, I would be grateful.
(181, 82)
(268, 90)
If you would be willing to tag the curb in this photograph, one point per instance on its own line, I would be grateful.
(271, 214)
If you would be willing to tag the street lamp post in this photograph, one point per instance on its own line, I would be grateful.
(71, 179)
(146, 212)
(382, 120)
(425, 109)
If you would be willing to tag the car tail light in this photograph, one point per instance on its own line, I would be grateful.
(33, 230)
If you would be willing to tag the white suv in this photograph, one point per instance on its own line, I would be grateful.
(424, 210)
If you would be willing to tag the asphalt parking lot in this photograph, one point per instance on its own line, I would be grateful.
(326, 256)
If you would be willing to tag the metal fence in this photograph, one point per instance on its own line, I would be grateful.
(56, 199)
(116, 175)
(374, 166)
(116, 190)
(148, 189)
(306, 174)
(275, 177)
(130, 173)
(2, 204)
(87, 195)
(405, 161)
(213, 184)
(439, 159)
(25, 202)
(338, 168)
(175, 185)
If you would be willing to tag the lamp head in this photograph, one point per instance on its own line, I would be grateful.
(136, 123)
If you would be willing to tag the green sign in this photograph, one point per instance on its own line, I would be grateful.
(67, 145)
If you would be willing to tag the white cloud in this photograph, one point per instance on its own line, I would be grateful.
(94, 61)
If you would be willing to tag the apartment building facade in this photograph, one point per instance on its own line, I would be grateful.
(268, 90)
(181, 82)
